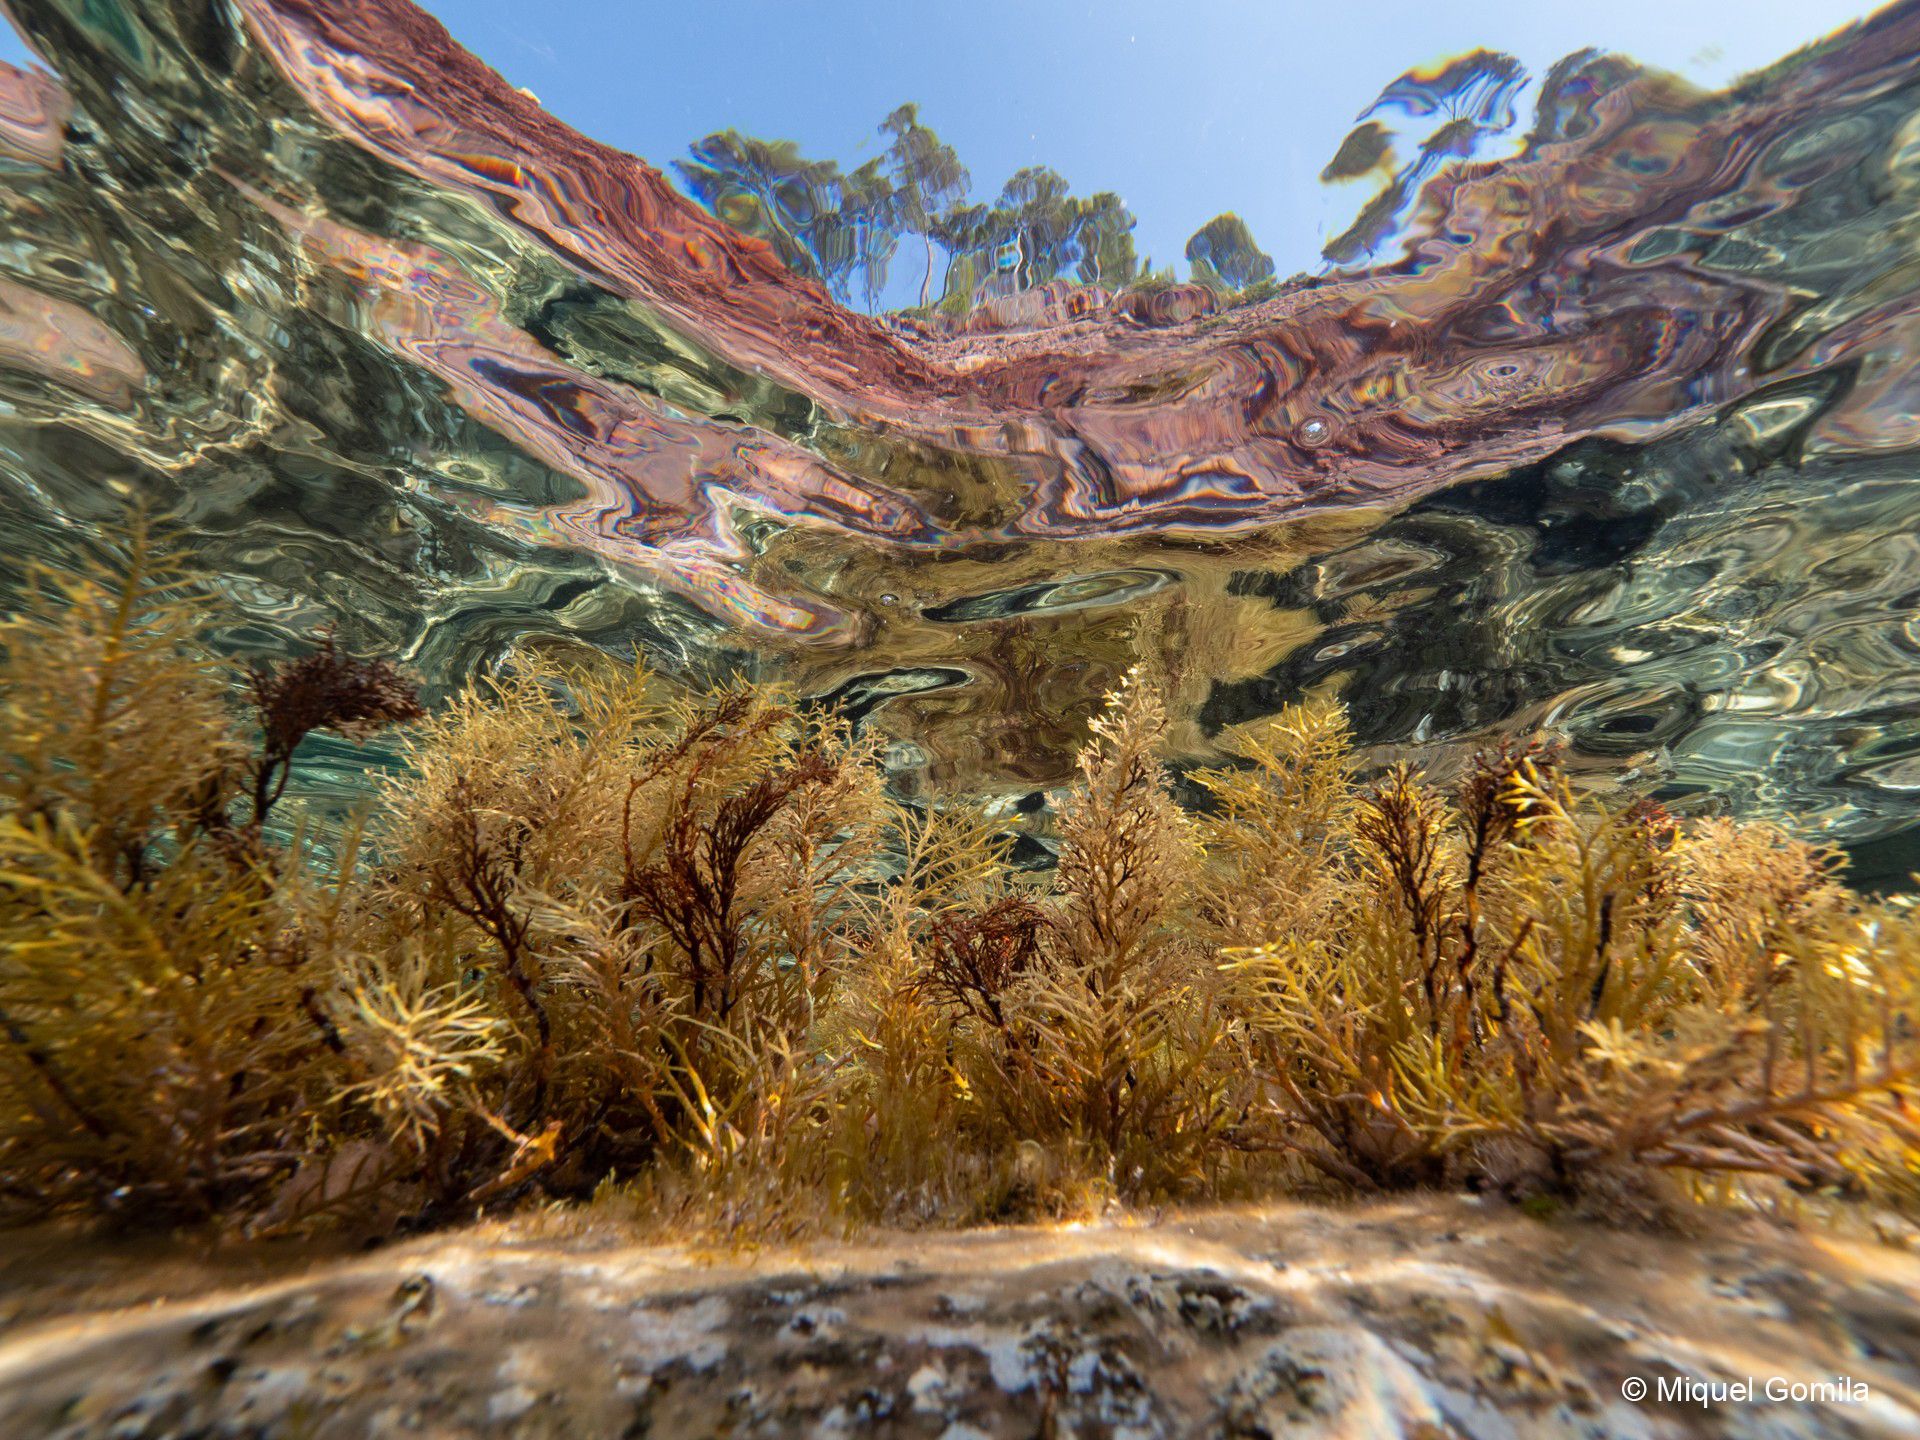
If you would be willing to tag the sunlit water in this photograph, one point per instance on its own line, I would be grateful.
(1620, 439)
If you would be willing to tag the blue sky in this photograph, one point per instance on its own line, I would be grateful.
(1186, 109)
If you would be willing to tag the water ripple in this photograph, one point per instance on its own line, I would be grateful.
(1623, 442)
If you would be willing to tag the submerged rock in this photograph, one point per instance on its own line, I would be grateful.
(1431, 1317)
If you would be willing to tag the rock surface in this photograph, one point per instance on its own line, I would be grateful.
(1429, 1318)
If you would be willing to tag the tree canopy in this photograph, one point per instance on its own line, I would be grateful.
(844, 228)
(928, 181)
(1223, 252)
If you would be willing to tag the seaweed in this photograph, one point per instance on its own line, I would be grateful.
(688, 954)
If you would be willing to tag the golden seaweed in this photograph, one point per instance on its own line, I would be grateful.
(688, 954)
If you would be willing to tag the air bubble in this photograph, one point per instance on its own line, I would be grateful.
(1314, 432)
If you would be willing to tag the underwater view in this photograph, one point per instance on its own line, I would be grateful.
(1053, 721)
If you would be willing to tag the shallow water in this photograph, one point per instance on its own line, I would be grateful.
(1621, 441)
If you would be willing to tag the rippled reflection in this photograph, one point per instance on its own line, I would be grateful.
(1623, 442)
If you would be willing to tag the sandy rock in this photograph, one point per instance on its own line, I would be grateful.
(1423, 1319)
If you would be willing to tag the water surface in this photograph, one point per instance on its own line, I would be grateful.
(1617, 436)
